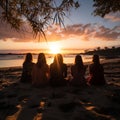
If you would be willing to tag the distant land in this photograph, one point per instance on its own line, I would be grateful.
(106, 52)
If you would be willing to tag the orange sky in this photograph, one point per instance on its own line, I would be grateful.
(83, 31)
(75, 36)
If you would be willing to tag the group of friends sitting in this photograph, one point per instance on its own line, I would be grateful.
(41, 74)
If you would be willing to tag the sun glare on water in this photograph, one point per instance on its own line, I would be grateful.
(54, 48)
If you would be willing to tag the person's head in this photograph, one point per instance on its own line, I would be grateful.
(28, 57)
(78, 60)
(96, 59)
(58, 59)
(41, 59)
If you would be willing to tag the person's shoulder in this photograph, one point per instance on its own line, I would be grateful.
(24, 63)
(101, 66)
(34, 66)
(72, 66)
(91, 65)
(51, 64)
(47, 65)
(85, 67)
(64, 64)
(33, 63)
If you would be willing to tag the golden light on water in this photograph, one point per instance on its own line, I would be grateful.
(54, 48)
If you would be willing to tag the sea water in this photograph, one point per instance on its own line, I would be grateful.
(15, 60)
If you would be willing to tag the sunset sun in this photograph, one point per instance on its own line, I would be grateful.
(54, 48)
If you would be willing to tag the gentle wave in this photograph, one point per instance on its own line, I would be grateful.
(17, 60)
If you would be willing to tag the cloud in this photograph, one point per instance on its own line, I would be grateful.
(87, 32)
(108, 34)
(114, 17)
(84, 32)
(7, 33)
(95, 31)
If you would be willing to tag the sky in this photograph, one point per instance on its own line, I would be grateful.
(83, 31)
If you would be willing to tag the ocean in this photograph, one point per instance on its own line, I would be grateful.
(8, 60)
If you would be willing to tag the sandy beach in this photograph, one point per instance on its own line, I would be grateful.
(19, 101)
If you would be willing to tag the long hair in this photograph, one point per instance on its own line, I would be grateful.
(58, 62)
(78, 62)
(58, 59)
(28, 58)
(96, 59)
(41, 60)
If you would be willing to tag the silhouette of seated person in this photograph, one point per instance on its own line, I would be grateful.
(27, 69)
(58, 71)
(40, 73)
(96, 72)
(78, 72)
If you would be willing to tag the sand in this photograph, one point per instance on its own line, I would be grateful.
(19, 101)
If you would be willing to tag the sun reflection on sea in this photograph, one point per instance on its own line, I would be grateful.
(54, 48)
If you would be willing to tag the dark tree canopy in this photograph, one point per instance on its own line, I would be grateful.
(103, 7)
(37, 13)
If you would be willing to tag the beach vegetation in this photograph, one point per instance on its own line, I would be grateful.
(104, 7)
(38, 14)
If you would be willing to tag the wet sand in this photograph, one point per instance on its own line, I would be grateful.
(19, 101)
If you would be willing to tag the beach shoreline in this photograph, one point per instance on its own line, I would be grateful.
(19, 101)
